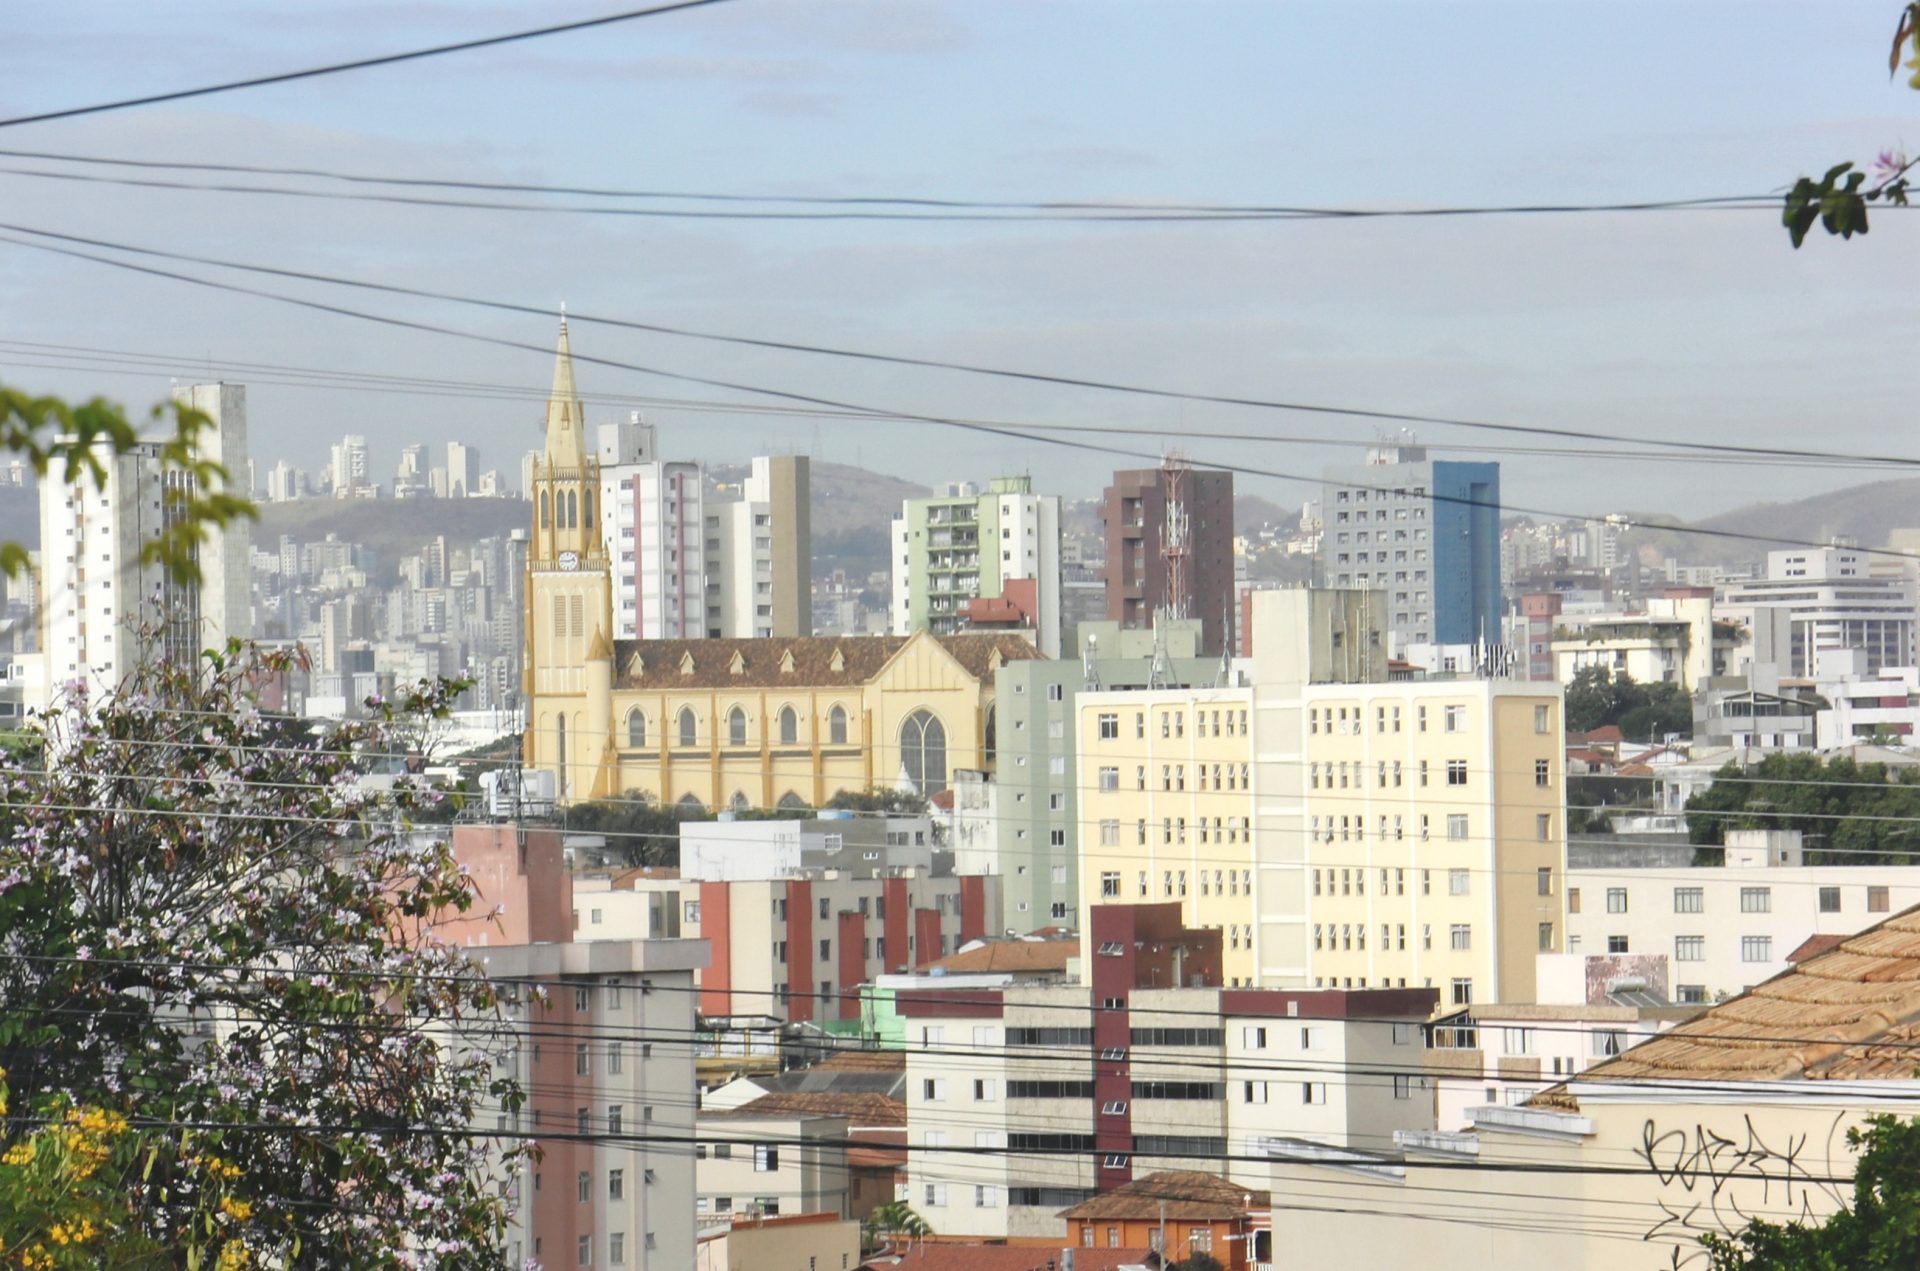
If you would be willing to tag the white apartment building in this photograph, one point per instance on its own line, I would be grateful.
(1835, 601)
(1503, 1054)
(650, 522)
(95, 591)
(965, 544)
(1195, 1075)
(1727, 928)
(348, 465)
(759, 554)
(622, 1196)
(463, 470)
(751, 1164)
(1864, 706)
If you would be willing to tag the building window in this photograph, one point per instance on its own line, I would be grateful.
(1546, 937)
(1573, 900)
(1689, 900)
(1616, 944)
(1756, 948)
(1829, 900)
(1313, 1092)
(789, 726)
(736, 727)
(1456, 772)
(1689, 948)
(1542, 773)
(923, 752)
(1461, 937)
(585, 1187)
(636, 729)
(1459, 882)
(1456, 825)
(1542, 719)
(1454, 719)
(1543, 881)
(766, 1158)
(1616, 900)
(1109, 726)
(1756, 900)
(581, 1065)
(1463, 992)
(585, 1251)
(1690, 994)
(689, 728)
(1877, 900)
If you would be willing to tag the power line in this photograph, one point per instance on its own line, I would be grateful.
(938, 420)
(890, 359)
(1770, 202)
(99, 361)
(387, 59)
(1113, 216)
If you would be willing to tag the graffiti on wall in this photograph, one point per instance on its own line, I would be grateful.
(1715, 1180)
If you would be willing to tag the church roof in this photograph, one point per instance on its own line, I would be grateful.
(815, 661)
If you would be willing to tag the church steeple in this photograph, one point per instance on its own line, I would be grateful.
(566, 414)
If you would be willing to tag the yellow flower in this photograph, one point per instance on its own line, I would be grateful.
(19, 1154)
(238, 1210)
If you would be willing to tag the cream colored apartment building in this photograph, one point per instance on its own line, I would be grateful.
(1435, 835)
(1167, 810)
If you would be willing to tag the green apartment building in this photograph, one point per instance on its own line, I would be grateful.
(963, 544)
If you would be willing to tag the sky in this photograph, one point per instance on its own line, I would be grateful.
(1674, 325)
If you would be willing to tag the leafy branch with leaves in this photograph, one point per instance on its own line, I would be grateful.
(1838, 201)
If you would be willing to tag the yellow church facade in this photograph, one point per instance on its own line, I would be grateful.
(725, 723)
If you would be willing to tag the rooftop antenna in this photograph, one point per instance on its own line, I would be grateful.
(1089, 664)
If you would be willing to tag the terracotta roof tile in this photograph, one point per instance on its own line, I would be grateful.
(1189, 1196)
(863, 1061)
(860, 1109)
(942, 1256)
(816, 660)
(1010, 956)
(1841, 1014)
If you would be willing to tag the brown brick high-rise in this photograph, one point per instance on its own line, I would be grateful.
(1134, 513)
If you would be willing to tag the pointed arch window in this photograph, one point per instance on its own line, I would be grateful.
(992, 738)
(586, 499)
(738, 803)
(573, 510)
(789, 726)
(690, 806)
(837, 726)
(689, 729)
(792, 802)
(736, 727)
(546, 510)
(560, 750)
(636, 728)
(923, 752)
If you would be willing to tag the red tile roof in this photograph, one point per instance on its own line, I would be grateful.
(1184, 1195)
(681, 664)
(1010, 957)
(943, 1256)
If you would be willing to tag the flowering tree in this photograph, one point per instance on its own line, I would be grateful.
(1838, 201)
(208, 940)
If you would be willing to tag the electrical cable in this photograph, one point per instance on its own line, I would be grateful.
(387, 59)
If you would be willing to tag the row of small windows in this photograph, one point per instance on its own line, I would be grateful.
(689, 727)
(1174, 883)
(1174, 723)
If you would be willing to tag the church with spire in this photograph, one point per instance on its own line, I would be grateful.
(569, 595)
(723, 723)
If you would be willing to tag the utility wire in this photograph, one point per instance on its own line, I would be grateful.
(889, 359)
(942, 421)
(1771, 202)
(335, 68)
(1116, 216)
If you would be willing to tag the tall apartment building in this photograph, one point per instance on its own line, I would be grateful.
(1064, 1092)
(1427, 533)
(95, 591)
(650, 521)
(963, 545)
(609, 1109)
(1031, 837)
(1834, 600)
(463, 470)
(348, 465)
(1167, 810)
(1169, 533)
(759, 554)
(1435, 842)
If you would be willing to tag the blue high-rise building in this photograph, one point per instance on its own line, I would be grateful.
(1426, 534)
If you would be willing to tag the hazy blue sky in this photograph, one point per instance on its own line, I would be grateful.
(1701, 324)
